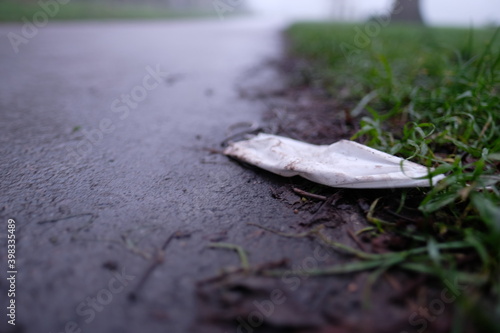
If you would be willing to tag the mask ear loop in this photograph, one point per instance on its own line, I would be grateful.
(252, 128)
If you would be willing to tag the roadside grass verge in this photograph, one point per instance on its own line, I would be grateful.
(431, 95)
(13, 11)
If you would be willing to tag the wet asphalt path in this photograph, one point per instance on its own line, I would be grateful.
(102, 134)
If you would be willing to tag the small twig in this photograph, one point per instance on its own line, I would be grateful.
(301, 235)
(309, 195)
(220, 277)
(271, 265)
(158, 259)
(356, 240)
(330, 201)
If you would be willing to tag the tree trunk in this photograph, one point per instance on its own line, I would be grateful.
(407, 11)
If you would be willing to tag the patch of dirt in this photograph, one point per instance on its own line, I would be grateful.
(290, 302)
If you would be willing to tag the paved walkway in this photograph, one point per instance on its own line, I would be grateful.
(103, 129)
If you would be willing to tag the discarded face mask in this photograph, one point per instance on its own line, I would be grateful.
(346, 164)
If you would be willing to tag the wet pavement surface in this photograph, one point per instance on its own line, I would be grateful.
(104, 129)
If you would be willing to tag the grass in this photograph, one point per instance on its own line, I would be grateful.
(431, 95)
(14, 11)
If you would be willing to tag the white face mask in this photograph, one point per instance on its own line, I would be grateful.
(346, 164)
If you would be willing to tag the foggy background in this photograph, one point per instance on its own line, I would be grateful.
(435, 12)
(438, 12)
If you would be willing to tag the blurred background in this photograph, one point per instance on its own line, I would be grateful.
(433, 12)
(436, 12)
